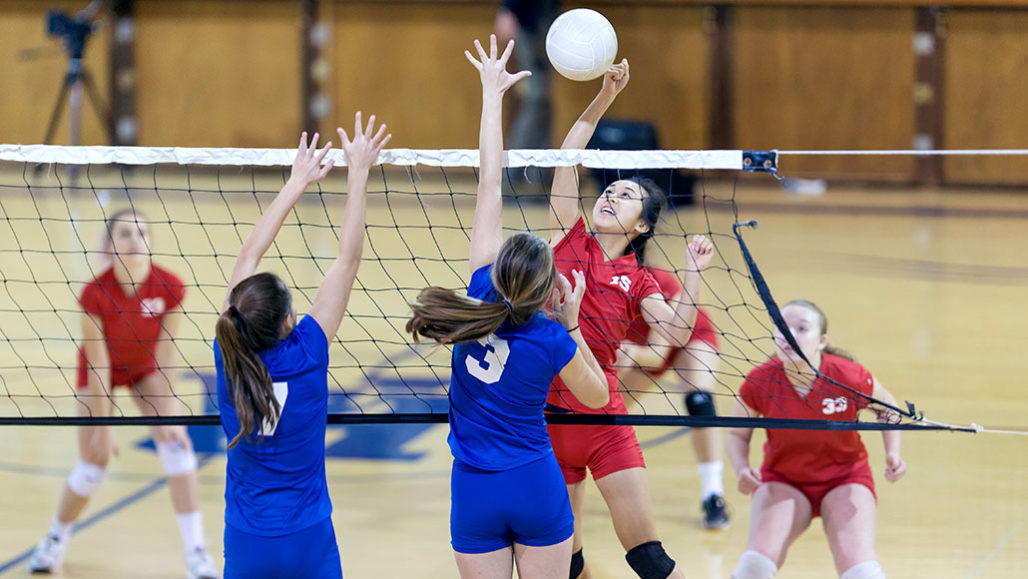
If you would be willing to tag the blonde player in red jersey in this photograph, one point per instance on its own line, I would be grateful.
(619, 290)
(646, 357)
(130, 316)
(809, 474)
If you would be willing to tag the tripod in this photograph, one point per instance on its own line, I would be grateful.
(75, 31)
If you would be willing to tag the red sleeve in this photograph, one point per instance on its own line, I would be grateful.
(646, 285)
(860, 379)
(174, 289)
(92, 299)
(753, 395)
(576, 231)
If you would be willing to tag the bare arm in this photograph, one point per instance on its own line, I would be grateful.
(582, 375)
(737, 448)
(333, 295)
(672, 321)
(564, 193)
(895, 466)
(307, 169)
(165, 353)
(487, 228)
(98, 365)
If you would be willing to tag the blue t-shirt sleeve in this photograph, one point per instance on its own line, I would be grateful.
(481, 285)
(564, 348)
(313, 341)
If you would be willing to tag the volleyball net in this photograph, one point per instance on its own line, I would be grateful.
(201, 204)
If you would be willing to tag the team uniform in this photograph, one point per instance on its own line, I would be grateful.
(612, 302)
(506, 486)
(131, 323)
(277, 507)
(814, 463)
(702, 331)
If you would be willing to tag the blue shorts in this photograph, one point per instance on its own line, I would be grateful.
(311, 552)
(492, 510)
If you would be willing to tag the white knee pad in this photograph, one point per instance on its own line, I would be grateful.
(865, 570)
(85, 478)
(177, 460)
(753, 565)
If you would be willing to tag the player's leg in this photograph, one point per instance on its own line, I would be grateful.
(576, 494)
(540, 518)
(550, 562)
(779, 514)
(849, 517)
(498, 563)
(696, 366)
(154, 397)
(627, 494)
(96, 445)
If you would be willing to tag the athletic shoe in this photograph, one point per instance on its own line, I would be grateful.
(715, 517)
(48, 555)
(200, 565)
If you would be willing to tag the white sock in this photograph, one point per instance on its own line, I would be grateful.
(710, 478)
(865, 570)
(61, 530)
(753, 565)
(191, 527)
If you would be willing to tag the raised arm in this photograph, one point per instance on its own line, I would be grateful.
(895, 466)
(361, 153)
(672, 321)
(307, 170)
(737, 448)
(487, 228)
(564, 193)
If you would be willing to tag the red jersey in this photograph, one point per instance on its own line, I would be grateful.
(670, 286)
(131, 323)
(806, 456)
(614, 292)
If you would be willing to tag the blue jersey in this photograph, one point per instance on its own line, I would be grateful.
(498, 388)
(278, 486)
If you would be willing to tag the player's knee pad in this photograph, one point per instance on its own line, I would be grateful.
(177, 459)
(85, 478)
(577, 564)
(865, 570)
(700, 403)
(649, 561)
(753, 565)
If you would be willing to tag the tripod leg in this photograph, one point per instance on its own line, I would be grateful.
(98, 106)
(55, 116)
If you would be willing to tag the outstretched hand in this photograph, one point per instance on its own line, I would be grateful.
(493, 69)
(307, 165)
(567, 299)
(363, 150)
(700, 251)
(616, 78)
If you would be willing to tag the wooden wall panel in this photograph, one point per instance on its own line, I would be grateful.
(986, 89)
(827, 78)
(214, 74)
(31, 84)
(667, 48)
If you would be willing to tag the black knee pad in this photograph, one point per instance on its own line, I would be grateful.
(577, 564)
(700, 403)
(649, 561)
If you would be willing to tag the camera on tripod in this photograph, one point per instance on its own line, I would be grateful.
(74, 31)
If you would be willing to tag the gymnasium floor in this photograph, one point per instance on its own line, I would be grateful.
(926, 288)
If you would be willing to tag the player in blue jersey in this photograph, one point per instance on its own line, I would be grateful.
(273, 383)
(509, 503)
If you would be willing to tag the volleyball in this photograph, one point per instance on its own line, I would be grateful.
(581, 44)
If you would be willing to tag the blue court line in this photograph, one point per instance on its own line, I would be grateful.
(125, 502)
(665, 437)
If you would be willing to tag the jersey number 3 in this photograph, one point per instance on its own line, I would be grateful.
(487, 363)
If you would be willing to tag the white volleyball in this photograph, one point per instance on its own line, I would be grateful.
(581, 44)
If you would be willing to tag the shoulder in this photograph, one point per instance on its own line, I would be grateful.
(165, 276)
(577, 236)
(481, 284)
(846, 371)
(769, 371)
(94, 289)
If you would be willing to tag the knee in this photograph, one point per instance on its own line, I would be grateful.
(754, 565)
(577, 564)
(700, 403)
(865, 570)
(178, 459)
(649, 561)
(86, 477)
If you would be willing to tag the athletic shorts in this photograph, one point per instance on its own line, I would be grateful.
(310, 552)
(815, 492)
(601, 449)
(703, 331)
(492, 510)
(119, 376)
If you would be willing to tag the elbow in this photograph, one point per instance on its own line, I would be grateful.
(599, 398)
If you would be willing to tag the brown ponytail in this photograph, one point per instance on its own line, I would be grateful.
(252, 323)
(523, 275)
(829, 349)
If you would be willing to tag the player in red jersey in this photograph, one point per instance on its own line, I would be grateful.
(130, 315)
(645, 358)
(619, 290)
(807, 474)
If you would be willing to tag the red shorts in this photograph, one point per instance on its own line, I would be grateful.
(816, 491)
(119, 376)
(602, 449)
(702, 331)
